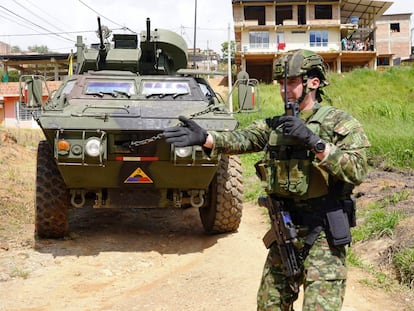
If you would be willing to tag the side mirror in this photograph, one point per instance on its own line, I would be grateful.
(31, 90)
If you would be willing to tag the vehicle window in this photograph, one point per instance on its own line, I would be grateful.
(68, 87)
(204, 90)
(105, 87)
(154, 87)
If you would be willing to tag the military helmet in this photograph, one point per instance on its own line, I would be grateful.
(303, 63)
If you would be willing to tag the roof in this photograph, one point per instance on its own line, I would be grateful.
(29, 57)
(18, 61)
(366, 10)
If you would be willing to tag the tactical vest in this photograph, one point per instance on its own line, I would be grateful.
(289, 169)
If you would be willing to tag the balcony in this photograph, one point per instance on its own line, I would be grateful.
(272, 48)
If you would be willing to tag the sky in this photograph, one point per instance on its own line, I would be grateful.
(30, 22)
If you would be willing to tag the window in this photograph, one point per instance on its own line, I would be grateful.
(68, 87)
(383, 61)
(323, 11)
(283, 12)
(255, 13)
(259, 39)
(395, 27)
(93, 87)
(318, 38)
(24, 114)
(301, 15)
(159, 87)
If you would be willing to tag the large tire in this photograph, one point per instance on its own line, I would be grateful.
(52, 196)
(223, 210)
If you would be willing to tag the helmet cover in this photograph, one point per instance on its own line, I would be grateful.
(301, 63)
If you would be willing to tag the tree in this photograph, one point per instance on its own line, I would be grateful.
(224, 49)
(15, 49)
(40, 49)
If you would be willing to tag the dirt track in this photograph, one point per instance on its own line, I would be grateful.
(148, 260)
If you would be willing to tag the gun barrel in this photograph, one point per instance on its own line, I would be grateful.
(148, 30)
(101, 42)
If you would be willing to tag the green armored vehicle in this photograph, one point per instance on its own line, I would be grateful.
(104, 145)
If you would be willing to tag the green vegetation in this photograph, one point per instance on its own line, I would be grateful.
(404, 264)
(377, 222)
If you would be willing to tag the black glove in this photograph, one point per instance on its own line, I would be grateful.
(273, 123)
(189, 134)
(295, 127)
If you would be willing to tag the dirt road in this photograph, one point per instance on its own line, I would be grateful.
(147, 260)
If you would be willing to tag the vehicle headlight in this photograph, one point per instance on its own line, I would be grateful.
(93, 147)
(183, 152)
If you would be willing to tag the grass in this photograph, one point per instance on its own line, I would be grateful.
(17, 178)
(404, 264)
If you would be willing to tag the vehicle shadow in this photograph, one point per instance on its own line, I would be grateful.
(166, 231)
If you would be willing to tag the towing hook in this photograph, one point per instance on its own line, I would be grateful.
(197, 199)
(78, 198)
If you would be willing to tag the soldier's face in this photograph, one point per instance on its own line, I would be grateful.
(294, 88)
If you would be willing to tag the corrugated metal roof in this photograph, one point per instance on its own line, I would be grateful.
(367, 11)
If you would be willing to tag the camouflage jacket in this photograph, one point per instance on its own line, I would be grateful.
(346, 160)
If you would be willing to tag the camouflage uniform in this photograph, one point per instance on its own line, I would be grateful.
(315, 192)
(324, 274)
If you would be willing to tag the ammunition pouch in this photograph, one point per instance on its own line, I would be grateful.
(285, 177)
(336, 217)
(337, 227)
(340, 221)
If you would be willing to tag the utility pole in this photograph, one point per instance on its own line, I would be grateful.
(195, 32)
(229, 80)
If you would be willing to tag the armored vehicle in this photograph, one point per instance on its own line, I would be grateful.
(104, 145)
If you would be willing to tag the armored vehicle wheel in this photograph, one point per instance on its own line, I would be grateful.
(223, 210)
(52, 196)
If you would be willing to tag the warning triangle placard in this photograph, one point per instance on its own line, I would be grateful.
(138, 177)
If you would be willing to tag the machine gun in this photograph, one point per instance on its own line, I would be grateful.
(284, 235)
(159, 52)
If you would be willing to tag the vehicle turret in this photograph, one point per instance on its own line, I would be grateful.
(160, 51)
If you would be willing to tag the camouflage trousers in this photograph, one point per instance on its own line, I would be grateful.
(323, 280)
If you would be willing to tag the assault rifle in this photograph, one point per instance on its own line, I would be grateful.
(283, 233)
(291, 108)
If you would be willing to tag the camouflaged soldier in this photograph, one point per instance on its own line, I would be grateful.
(312, 161)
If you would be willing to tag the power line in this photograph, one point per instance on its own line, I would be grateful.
(38, 16)
(53, 33)
(101, 14)
(50, 16)
(16, 22)
(25, 19)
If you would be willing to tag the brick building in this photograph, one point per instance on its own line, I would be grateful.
(393, 38)
(4, 48)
